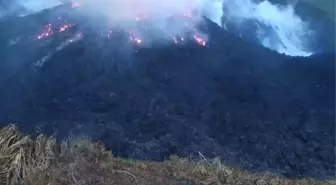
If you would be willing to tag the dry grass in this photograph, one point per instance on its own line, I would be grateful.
(78, 161)
(22, 158)
(213, 172)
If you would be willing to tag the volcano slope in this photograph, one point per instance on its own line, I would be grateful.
(232, 99)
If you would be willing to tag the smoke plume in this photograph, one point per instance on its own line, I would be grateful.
(276, 27)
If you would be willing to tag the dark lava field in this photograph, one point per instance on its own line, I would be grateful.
(231, 98)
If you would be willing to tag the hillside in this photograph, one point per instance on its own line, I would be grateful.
(232, 99)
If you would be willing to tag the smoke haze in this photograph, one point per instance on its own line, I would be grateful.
(278, 27)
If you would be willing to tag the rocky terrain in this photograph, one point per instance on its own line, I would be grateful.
(231, 99)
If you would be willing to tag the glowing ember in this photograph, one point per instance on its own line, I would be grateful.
(47, 31)
(139, 41)
(135, 35)
(200, 40)
(65, 27)
(135, 39)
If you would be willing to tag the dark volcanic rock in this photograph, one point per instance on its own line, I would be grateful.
(232, 99)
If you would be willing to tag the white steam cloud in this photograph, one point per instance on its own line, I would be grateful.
(279, 27)
(128, 9)
(159, 13)
(166, 18)
(38, 5)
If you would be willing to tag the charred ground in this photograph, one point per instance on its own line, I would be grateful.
(233, 99)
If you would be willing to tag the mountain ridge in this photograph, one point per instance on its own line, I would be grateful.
(232, 99)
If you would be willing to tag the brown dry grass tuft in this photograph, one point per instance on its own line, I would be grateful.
(214, 172)
(78, 161)
(21, 157)
(42, 161)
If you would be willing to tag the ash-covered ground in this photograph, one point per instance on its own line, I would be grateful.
(220, 96)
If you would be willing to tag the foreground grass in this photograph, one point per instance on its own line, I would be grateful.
(78, 161)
